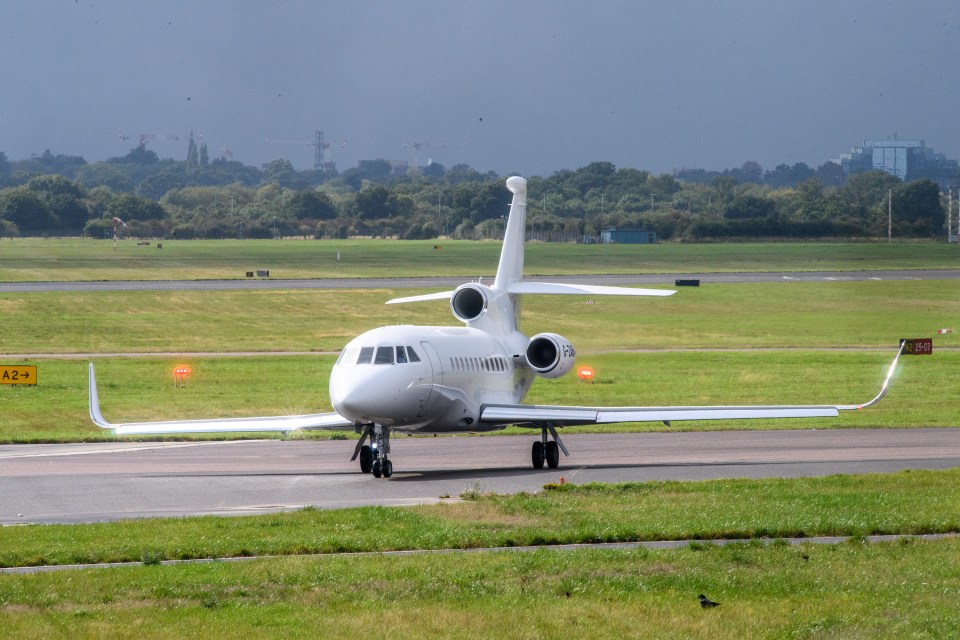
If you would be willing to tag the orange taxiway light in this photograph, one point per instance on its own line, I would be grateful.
(585, 373)
(180, 375)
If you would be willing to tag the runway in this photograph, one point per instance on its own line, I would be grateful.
(441, 282)
(70, 483)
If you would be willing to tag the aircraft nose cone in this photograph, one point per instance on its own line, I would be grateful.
(358, 403)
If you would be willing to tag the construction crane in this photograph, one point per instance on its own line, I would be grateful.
(321, 150)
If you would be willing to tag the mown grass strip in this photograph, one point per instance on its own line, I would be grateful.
(34, 259)
(133, 389)
(916, 502)
(772, 315)
(899, 590)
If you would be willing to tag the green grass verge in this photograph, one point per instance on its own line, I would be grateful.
(135, 389)
(773, 315)
(913, 502)
(31, 260)
(902, 590)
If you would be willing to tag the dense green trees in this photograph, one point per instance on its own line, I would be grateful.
(202, 198)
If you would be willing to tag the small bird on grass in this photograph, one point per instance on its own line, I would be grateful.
(706, 602)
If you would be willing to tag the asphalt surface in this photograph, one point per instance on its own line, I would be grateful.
(111, 481)
(451, 282)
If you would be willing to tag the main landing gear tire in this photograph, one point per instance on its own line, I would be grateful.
(553, 454)
(538, 455)
(549, 453)
(366, 459)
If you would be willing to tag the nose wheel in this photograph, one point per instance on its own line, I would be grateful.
(382, 468)
(374, 457)
(546, 450)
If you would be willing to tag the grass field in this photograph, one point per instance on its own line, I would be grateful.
(904, 590)
(892, 590)
(31, 260)
(764, 315)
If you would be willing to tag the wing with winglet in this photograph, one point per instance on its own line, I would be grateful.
(538, 415)
(318, 421)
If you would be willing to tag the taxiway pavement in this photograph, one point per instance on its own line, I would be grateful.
(70, 483)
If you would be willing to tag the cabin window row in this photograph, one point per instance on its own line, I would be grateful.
(495, 364)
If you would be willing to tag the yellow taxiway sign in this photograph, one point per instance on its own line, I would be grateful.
(18, 374)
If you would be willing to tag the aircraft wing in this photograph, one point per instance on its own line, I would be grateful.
(535, 415)
(539, 415)
(318, 421)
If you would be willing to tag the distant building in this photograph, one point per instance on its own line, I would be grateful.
(906, 159)
(627, 235)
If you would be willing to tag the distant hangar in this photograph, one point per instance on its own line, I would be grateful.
(628, 235)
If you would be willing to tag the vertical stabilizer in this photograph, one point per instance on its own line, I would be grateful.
(511, 256)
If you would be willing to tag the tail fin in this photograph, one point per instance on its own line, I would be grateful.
(510, 269)
(509, 279)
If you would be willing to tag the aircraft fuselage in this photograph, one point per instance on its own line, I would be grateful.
(428, 379)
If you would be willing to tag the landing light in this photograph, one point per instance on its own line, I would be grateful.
(585, 373)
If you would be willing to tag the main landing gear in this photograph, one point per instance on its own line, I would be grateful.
(374, 457)
(546, 450)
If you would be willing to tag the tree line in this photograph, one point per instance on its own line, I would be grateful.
(57, 195)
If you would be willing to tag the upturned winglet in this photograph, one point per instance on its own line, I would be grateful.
(95, 414)
(883, 389)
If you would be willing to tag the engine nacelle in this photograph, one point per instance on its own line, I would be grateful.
(550, 355)
(469, 302)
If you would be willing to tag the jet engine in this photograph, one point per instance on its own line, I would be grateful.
(550, 355)
(469, 302)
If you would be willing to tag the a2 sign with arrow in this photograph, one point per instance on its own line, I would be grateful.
(18, 374)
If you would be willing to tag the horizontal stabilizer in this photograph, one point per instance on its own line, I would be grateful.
(584, 289)
(440, 295)
(549, 288)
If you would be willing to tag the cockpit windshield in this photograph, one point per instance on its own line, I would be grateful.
(384, 355)
(381, 355)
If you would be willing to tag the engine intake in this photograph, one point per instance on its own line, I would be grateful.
(469, 302)
(550, 355)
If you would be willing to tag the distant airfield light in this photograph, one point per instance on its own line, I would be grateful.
(180, 375)
(585, 373)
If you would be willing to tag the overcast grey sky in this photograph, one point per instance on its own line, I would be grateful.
(524, 86)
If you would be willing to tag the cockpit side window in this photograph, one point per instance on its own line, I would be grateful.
(384, 355)
(366, 354)
(412, 354)
(401, 355)
(346, 355)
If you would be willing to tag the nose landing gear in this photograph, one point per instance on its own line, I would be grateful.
(374, 457)
(546, 450)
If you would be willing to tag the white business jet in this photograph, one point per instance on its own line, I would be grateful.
(430, 380)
